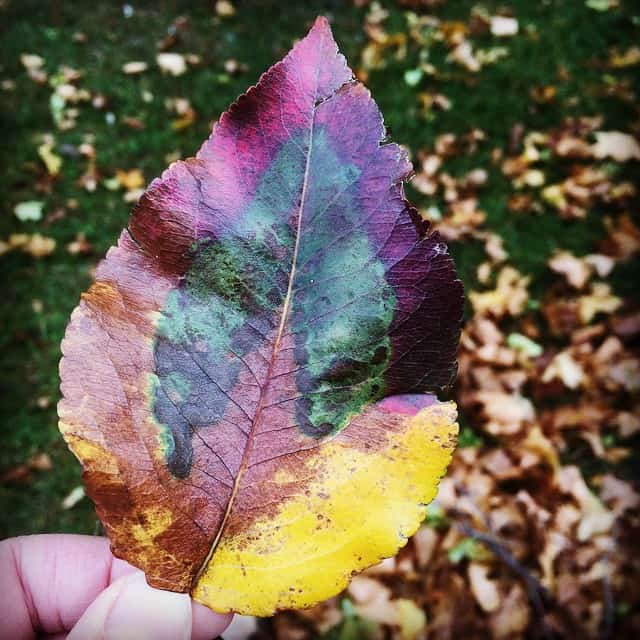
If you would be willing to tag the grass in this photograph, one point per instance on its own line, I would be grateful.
(557, 35)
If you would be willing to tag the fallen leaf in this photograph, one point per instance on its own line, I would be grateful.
(629, 58)
(79, 246)
(509, 297)
(484, 590)
(506, 413)
(52, 161)
(601, 5)
(172, 63)
(503, 26)
(463, 54)
(260, 395)
(512, 619)
(40, 462)
(225, 9)
(29, 211)
(73, 497)
(39, 246)
(564, 368)
(410, 618)
(31, 61)
(595, 519)
(617, 145)
(425, 541)
(131, 178)
(600, 300)
(524, 344)
(135, 67)
(372, 600)
(619, 494)
(36, 245)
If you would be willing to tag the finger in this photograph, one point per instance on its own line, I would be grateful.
(48, 581)
(132, 610)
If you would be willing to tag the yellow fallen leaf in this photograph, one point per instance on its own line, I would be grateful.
(131, 179)
(538, 443)
(36, 245)
(225, 9)
(600, 300)
(410, 618)
(52, 161)
(627, 59)
(509, 297)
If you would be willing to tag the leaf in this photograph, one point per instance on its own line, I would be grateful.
(468, 548)
(503, 26)
(617, 145)
(601, 5)
(172, 63)
(36, 245)
(51, 160)
(484, 590)
(134, 67)
(524, 344)
(245, 381)
(29, 211)
(72, 499)
(225, 9)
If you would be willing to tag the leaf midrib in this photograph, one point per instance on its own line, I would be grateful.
(286, 306)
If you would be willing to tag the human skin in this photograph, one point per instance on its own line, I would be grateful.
(68, 586)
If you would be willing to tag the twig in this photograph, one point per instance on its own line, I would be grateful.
(537, 593)
(608, 604)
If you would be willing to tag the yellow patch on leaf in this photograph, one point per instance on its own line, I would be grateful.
(363, 507)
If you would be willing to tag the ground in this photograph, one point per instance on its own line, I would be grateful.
(113, 128)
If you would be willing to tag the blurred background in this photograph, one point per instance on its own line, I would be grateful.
(522, 120)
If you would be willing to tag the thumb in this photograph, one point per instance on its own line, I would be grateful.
(129, 609)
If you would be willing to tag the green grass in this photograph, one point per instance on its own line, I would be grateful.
(566, 34)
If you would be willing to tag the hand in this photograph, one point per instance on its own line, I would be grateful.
(68, 586)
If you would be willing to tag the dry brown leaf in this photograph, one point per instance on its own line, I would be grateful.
(508, 298)
(600, 300)
(576, 271)
(505, 413)
(484, 590)
(620, 495)
(595, 519)
(512, 619)
(565, 368)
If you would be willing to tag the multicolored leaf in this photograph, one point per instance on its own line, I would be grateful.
(245, 382)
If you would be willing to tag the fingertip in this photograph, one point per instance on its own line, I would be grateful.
(131, 608)
(207, 624)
